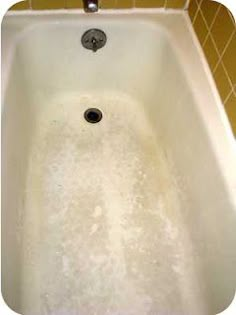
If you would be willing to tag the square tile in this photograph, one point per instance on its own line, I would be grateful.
(107, 4)
(222, 82)
(149, 3)
(222, 28)
(211, 53)
(230, 108)
(209, 9)
(175, 4)
(229, 59)
(192, 10)
(47, 4)
(73, 4)
(123, 4)
(200, 28)
(22, 5)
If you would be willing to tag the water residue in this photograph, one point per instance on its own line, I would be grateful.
(103, 227)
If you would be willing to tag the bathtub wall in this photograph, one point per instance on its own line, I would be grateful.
(216, 31)
(213, 23)
(106, 4)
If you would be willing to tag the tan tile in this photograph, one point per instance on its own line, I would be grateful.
(222, 28)
(211, 53)
(107, 4)
(124, 4)
(22, 5)
(175, 4)
(73, 4)
(230, 108)
(209, 9)
(222, 82)
(47, 4)
(200, 28)
(149, 3)
(229, 59)
(192, 10)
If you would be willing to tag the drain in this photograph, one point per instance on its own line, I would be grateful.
(93, 39)
(93, 115)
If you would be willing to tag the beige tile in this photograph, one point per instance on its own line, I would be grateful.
(176, 4)
(222, 82)
(222, 28)
(22, 5)
(209, 9)
(149, 3)
(229, 59)
(73, 4)
(192, 10)
(200, 28)
(211, 53)
(230, 108)
(107, 4)
(124, 4)
(47, 4)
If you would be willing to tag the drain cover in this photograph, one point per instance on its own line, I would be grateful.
(93, 39)
(93, 115)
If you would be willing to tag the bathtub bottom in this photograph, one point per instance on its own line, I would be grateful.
(102, 231)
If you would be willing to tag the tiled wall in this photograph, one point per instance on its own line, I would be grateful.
(216, 32)
(60, 4)
(212, 22)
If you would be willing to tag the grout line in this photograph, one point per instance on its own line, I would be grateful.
(234, 90)
(165, 4)
(225, 70)
(228, 96)
(229, 80)
(212, 23)
(206, 24)
(215, 46)
(186, 5)
(198, 8)
(225, 48)
(213, 41)
(228, 42)
(207, 27)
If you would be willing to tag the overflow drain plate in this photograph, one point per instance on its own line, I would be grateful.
(93, 39)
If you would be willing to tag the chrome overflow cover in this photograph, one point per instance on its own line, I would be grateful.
(93, 39)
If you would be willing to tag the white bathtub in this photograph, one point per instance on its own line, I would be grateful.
(134, 215)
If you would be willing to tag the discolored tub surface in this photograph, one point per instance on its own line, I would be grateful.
(102, 213)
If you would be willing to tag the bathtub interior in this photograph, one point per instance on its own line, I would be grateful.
(152, 146)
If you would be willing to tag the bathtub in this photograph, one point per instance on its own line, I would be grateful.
(136, 214)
